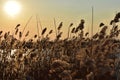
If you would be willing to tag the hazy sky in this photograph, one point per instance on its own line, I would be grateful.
(66, 11)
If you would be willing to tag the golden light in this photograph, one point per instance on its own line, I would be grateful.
(12, 8)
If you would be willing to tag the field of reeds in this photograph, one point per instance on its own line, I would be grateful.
(77, 57)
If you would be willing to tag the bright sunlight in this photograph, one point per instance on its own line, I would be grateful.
(12, 8)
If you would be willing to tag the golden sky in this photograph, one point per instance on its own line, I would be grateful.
(65, 11)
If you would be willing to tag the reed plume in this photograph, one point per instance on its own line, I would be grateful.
(101, 24)
(1, 32)
(5, 35)
(95, 36)
(50, 31)
(17, 26)
(20, 34)
(35, 36)
(60, 26)
(71, 25)
(27, 34)
(43, 31)
(16, 31)
(73, 30)
(86, 33)
(81, 25)
(59, 35)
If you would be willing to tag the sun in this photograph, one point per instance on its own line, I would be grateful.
(12, 8)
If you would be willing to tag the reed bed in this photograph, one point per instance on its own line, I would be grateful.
(39, 58)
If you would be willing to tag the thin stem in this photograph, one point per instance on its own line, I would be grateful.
(37, 26)
(26, 24)
(55, 27)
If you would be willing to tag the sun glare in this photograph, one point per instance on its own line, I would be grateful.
(12, 8)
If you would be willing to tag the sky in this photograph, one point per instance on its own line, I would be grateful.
(66, 11)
